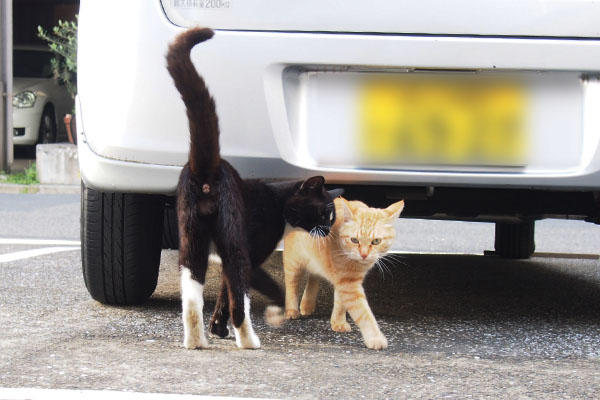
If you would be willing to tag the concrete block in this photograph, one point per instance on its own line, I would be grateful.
(57, 164)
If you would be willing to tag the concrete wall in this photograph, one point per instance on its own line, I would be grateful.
(57, 164)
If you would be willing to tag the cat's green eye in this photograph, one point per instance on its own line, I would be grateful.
(354, 240)
(376, 241)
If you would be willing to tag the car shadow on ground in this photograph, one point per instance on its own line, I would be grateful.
(441, 286)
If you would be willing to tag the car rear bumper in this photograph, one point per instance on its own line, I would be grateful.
(273, 118)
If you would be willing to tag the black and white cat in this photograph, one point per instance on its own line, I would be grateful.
(243, 219)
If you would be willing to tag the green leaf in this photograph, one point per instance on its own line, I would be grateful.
(63, 43)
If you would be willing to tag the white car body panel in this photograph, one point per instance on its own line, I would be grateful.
(281, 89)
(544, 18)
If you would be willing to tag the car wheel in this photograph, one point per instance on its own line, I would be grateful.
(47, 132)
(515, 240)
(120, 245)
(170, 236)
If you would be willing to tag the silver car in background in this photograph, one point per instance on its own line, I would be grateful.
(39, 101)
(469, 110)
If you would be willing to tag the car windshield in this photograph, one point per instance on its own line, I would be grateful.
(32, 64)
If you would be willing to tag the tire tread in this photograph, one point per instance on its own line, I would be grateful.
(516, 241)
(120, 235)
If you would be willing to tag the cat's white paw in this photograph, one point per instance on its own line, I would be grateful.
(376, 342)
(340, 326)
(247, 342)
(192, 304)
(292, 314)
(307, 308)
(245, 338)
(192, 342)
(274, 316)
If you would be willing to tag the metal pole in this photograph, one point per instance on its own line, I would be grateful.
(6, 72)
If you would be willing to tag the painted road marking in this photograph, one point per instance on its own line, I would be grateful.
(20, 255)
(63, 394)
(40, 242)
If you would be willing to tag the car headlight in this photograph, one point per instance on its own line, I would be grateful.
(24, 99)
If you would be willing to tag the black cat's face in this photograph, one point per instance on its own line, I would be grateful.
(311, 208)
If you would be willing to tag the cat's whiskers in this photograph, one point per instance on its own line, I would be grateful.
(315, 230)
(318, 239)
(383, 267)
(396, 258)
(325, 230)
(318, 233)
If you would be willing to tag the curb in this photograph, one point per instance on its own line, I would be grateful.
(12, 188)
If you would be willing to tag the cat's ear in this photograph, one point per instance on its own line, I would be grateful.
(335, 193)
(313, 185)
(394, 210)
(348, 214)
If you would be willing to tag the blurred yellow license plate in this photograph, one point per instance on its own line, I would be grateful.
(441, 121)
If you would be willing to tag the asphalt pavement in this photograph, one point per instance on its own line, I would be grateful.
(459, 325)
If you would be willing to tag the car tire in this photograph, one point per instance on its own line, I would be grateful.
(515, 241)
(47, 131)
(120, 245)
(170, 236)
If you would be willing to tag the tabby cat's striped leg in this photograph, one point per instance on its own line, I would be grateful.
(309, 298)
(354, 299)
(292, 274)
(338, 315)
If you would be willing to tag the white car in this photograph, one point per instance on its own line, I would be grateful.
(39, 101)
(470, 110)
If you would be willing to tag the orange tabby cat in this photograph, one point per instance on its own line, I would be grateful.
(359, 237)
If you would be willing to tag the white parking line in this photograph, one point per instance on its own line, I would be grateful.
(40, 242)
(63, 394)
(20, 255)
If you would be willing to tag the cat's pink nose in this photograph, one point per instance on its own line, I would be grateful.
(363, 255)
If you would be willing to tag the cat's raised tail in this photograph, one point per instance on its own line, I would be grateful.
(204, 155)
